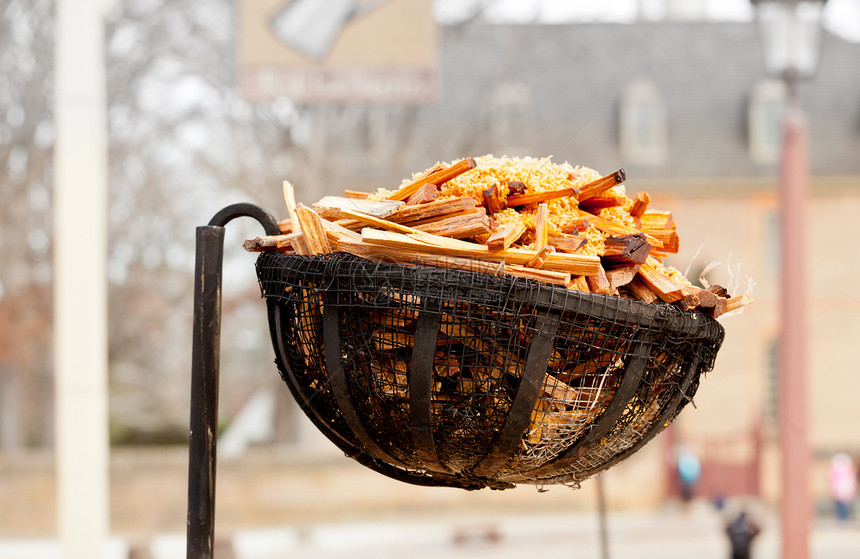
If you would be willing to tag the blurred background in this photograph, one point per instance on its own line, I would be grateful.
(211, 102)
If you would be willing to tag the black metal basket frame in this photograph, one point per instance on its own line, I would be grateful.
(549, 306)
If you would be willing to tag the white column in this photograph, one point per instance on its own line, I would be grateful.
(80, 287)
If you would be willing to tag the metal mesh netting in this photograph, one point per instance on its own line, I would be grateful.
(447, 377)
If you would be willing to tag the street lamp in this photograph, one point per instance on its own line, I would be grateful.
(790, 32)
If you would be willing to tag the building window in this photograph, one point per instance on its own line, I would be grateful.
(766, 107)
(643, 124)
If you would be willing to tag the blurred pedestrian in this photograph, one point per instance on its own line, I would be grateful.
(843, 484)
(689, 470)
(742, 531)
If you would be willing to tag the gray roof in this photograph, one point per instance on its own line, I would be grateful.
(576, 74)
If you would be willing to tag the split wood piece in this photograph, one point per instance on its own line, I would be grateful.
(594, 205)
(298, 243)
(541, 227)
(540, 258)
(357, 194)
(641, 291)
(331, 207)
(689, 301)
(472, 212)
(407, 257)
(594, 188)
(459, 226)
(653, 219)
(661, 285)
(538, 197)
(556, 278)
(576, 225)
(599, 283)
(614, 228)
(438, 177)
(312, 230)
(640, 204)
(516, 187)
(737, 302)
(493, 199)
(709, 302)
(351, 246)
(625, 250)
(425, 194)
(575, 264)
(719, 291)
(567, 243)
(669, 240)
(555, 389)
(290, 201)
(377, 222)
(620, 277)
(579, 283)
(285, 226)
(335, 231)
(264, 243)
(439, 208)
(505, 235)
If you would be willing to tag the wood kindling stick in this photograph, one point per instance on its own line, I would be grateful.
(567, 243)
(540, 258)
(640, 204)
(557, 278)
(426, 193)
(653, 219)
(541, 227)
(575, 264)
(377, 222)
(661, 285)
(668, 238)
(599, 283)
(438, 177)
(356, 194)
(312, 230)
(459, 226)
(331, 207)
(505, 235)
(263, 243)
(626, 249)
(615, 228)
(439, 208)
(538, 197)
(602, 184)
(290, 201)
(493, 199)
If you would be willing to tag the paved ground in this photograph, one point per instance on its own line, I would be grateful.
(273, 506)
(668, 534)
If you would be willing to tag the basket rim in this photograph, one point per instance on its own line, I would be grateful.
(540, 295)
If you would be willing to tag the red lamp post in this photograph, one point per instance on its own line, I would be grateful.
(790, 36)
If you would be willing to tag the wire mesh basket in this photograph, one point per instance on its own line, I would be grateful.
(445, 377)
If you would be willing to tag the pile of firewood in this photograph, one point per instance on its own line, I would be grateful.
(580, 231)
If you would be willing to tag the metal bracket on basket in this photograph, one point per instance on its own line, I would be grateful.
(205, 366)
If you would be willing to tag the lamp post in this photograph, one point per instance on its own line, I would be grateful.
(790, 33)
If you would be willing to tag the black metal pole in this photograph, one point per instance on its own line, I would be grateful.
(601, 515)
(205, 369)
